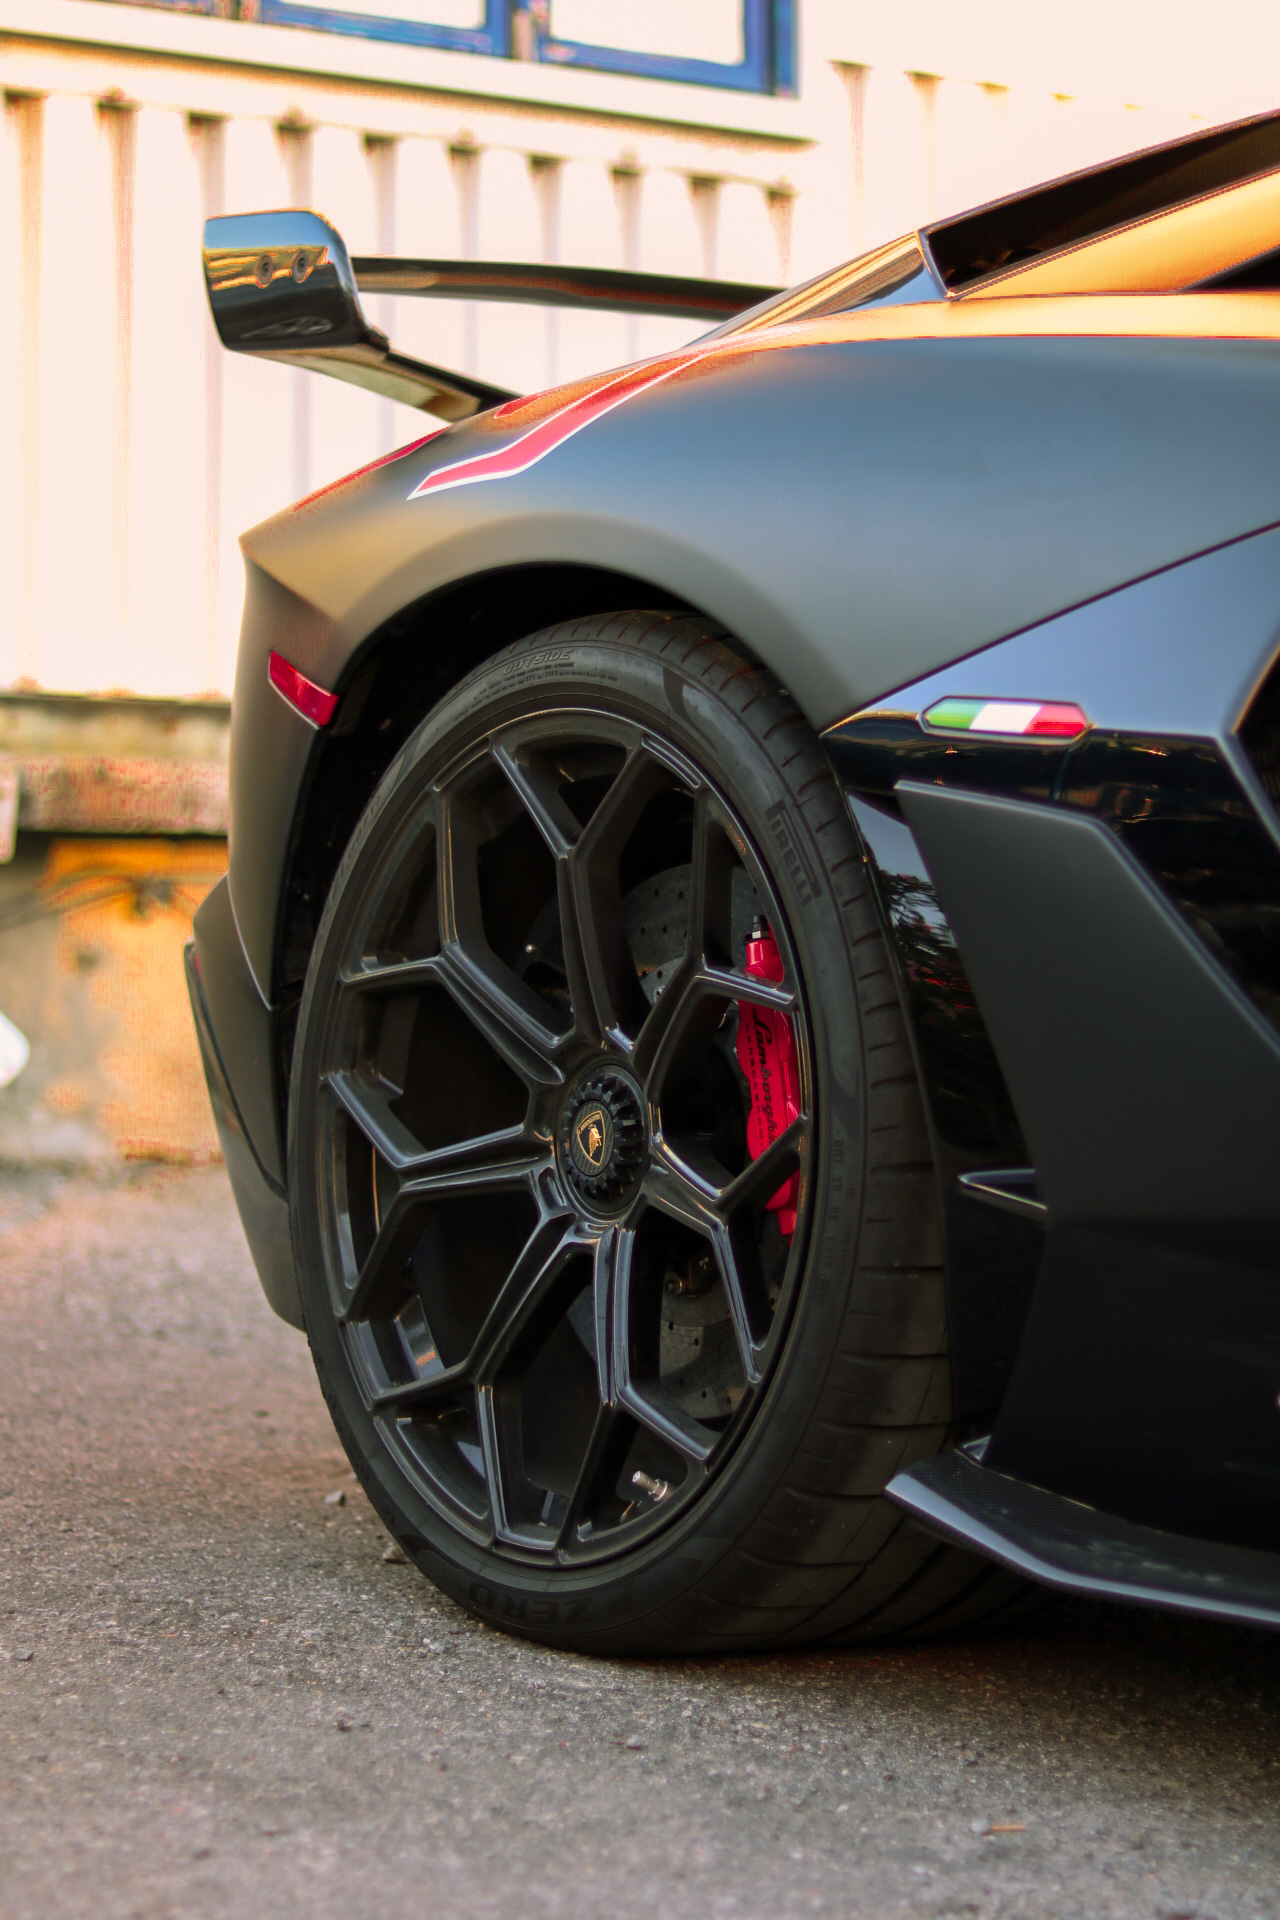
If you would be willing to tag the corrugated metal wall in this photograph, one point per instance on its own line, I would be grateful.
(133, 452)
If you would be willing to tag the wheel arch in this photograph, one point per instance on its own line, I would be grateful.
(390, 683)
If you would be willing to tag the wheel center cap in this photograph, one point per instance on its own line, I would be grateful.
(601, 1136)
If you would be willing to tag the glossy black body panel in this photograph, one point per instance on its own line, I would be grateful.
(584, 289)
(1078, 1549)
(281, 287)
(275, 280)
(1179, 808)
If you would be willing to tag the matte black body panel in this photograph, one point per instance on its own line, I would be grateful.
(886, 511)
(993, 1243)
(270, 743)
(263, 1208)
(923, 497)
(1106, 911)
(1147, 1381)
(1147, 1085)
(1077, 1549)
(241, 1020)
(1177, 653)
(1149, 1090)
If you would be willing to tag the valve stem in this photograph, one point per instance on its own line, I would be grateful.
(656, 1489)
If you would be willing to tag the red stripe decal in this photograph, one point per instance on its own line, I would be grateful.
(384, 460)
(534, 445)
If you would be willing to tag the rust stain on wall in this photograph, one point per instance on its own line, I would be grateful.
(124, 910)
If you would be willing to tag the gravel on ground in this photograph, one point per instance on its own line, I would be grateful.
(220, 1695)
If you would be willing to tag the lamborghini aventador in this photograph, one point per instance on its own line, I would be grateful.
(744, 1020)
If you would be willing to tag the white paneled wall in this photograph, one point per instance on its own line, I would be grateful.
(133, 451)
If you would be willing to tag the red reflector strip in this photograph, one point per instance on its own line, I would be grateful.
(312, 702)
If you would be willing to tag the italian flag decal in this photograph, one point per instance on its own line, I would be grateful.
(1038, 719)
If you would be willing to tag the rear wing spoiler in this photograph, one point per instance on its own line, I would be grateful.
(282, 286)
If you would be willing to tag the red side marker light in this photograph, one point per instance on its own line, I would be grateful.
(314, 703)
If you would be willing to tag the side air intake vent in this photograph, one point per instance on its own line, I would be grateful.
(1086, 205)
(1260, 734)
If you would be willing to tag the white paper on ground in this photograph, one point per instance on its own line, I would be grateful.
(15, 1051)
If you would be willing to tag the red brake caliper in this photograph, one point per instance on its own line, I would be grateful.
(767, 1055)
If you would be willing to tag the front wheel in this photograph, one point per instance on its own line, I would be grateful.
(615, 1221)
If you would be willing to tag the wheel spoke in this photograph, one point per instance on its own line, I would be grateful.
(680, 1027)
(508, 1014)
(502, 1158)
(678, 1189)
(669, 1422)
(710, 937)
(541, 799)
(680, 1022)
(605, 1452)
(661, 1416)
(393, 1243)
(419, 1396)
(391, 976)
(761, 1178)
(487, 1164)
(603, 984)
(524, 1292)
(489, 1422)
(732, 985)
(739, 1289)
(701, 1206)
(610, 1282)
(532, 1278)
(368, 1102)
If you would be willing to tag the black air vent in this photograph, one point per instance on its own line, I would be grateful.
(1260, 734)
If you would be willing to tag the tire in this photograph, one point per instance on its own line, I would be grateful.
(603, 1398)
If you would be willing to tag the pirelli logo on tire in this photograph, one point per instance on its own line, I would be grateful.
(793, 854)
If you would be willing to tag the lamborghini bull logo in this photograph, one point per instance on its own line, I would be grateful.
(590, 1130)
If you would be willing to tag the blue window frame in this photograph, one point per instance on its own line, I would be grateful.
(392, 22)
(768, 63)
(764, 30)
(185, 6)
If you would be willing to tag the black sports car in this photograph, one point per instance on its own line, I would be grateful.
(745, 1017)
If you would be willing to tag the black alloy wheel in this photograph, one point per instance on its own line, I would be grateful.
(550, 1291)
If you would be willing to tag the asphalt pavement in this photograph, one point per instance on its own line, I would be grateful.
(217, 1698)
